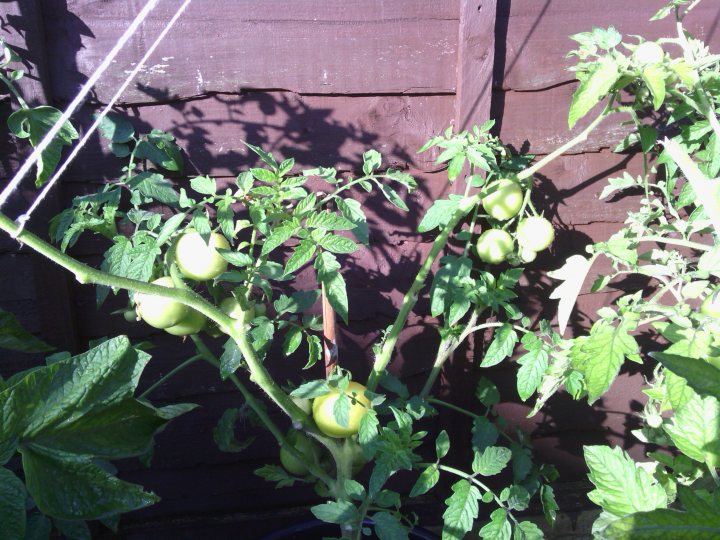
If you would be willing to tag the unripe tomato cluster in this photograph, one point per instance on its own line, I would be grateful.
(503, 200)
(200, 261)
(322, 409)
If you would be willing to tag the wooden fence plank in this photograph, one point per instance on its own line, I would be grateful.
(309, 47)
(475, 66)
(538, 31)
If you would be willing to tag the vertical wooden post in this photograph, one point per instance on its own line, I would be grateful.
(476, 54)
(330, 348)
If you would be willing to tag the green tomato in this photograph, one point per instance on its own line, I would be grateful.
(648, 53)
(160, 312)
(323, 411)
(193, 322)
(535, 233)
(130, 315)
(232, 308)
(305, 405)
(358, 458)
(199, 260)
(503, 199)
(527, 255)
(711, 304)
(303, 445)
(494, 246)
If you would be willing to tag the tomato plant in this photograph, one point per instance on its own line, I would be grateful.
(159, 311)
(323, 410)
(198, 258)
(503, 199)
(535, 233)
(493, 246)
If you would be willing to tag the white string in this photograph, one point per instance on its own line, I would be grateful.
(22, 219)
(50, 135)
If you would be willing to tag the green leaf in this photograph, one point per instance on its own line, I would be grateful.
(169, 227)
(224, 432)
(15, 338)
(600, 355)
(700, 375)
(426, 481)
(499, 527)
(116, 128)
(439, 214)
(231, 359)
(491, 461)
(527, 530)
(335, 512)
(337, 244)
(667, 524)
(34, 124)
(312, 389)
(275, 473)
(455, 166)
(77, 488)
(388, 527)
(265, 156)
(204, 185)
(330, 221)
(278, 236)
(442, 444)
(341, 409)
(155, 186)
(462, 510)
(335, 289)
(695, 430)
(486, 392)
(654, 77)
(532, 368)
(550, 506)
(593, 89)
(371, 161)
(292, 340)
(502, 346)
(160, 149)
(73, 529)
(352, 210)
(264, 175)
(392, 196)
(484, 433)
(38, 527)
(133, 258)
(12, 506)
(404, 178)
(301, 255)
(236, 258)
(621, 486)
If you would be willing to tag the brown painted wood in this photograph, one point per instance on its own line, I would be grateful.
(475, 65)
(319, 130)
(309, 47)
(538, 30)
(536, 122)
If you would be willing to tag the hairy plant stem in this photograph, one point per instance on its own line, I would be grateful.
(411, 296)
(14, 91)
(676, 242)
(177, 369)
(87, 275)
(261, 413)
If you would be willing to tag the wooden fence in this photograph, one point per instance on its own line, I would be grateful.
(322, 81)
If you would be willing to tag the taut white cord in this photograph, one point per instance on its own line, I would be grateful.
(22, 219)
(50, 135)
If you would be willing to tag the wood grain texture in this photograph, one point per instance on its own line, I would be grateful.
(310, 47)
(536, 122)
(316, 130)
(475, 65)
(537, 34)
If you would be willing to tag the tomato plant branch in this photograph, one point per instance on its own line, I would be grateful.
(676, 242)
(580, 137)
(14, 91)
(171, 374)
(411, 296)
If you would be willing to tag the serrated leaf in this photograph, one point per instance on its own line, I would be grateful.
(426, 481)
(352, 210)
(550, 506)
(301, 255)
(116, 128)
(499, 527)
(654, 77)
(388, 527)
(330, 221)
(341, 409)
(327, 268)
(371, 161)
(439, 214)
(486, 392)
(462, 510)
(600, 355)
(204, 185)
(33, 124)
(278, 236)
(312, 389)
(292, 340)
(155, 186)
(442, 444)
(484, 433)
(392, 196)
(231, 359)
(532, 368)
(572, 275)
(621, 486)
(338, 244)
(501, 347)
(695, 430)
(224, 432)
(700, 375)
(593, 89)
(527, 530)
(491, 461)
(12, 506)
(14, 337)
(335, 512)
